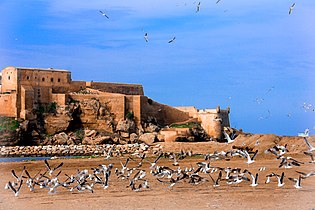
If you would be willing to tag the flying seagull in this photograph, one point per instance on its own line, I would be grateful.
(104, 14)
(198, 7)
(218, 1)
(172, 40)
(291, 8)
(146, 38)
(309, 145)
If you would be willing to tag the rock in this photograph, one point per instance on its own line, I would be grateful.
(128, 126)
(57, 123)
(148, 138)
(87, 140)
(150, 127)
(124, 134)
(103, 140)
(90, 133)
(133, 138)
(61, 138)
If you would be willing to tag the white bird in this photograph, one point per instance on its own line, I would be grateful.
(297, 184)
(227, 137)
(306, 133)
(280, 180)
(16, 191)
(311, 147)
(250, 159)
(291, 8)
(104, 14)
(172, 40)
(254, 180)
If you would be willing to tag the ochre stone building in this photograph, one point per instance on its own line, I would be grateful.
(23, 89)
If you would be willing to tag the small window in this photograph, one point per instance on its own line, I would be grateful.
(58, 79)
(52, 79)
(43, 79)
(9, 77)
(28, 77)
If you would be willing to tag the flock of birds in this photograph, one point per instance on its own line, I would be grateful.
(136, 177)
(146, 36)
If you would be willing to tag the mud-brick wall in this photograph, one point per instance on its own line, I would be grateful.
(164, 114)
(8, 105)
(127, 89)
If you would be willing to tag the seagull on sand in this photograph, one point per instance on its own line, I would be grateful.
(254, 180)
(250, 159)
(51, 170)
(16, 191)
(103, 14)
(153, 165)
(172, 40)
(280, 180)
(297, 182)
(291, 8)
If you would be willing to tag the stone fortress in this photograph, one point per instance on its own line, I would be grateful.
(25, 90)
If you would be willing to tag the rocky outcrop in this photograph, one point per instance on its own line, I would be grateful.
(95, 115)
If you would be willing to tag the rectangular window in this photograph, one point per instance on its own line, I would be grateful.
(43, 79)
(58, 79)
(52, 79)
(28, 77)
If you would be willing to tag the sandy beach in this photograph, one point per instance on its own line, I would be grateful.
(158, 196)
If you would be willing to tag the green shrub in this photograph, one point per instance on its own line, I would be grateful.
(130, 115)
(185, 125)
(8, 124)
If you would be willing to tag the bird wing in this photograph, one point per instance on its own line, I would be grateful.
(47, 165)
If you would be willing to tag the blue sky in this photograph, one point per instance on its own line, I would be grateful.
(250, 55)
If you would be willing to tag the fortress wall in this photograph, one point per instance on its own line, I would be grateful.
(8, 105)
(191, 110)
(116, 103)
(127, 89)
(164, 114)
(9, 79)
(59, 98)
(210, 125)
(133, 104)
(27, 102)
(224, 114)
(44, 78)
(76, 86)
